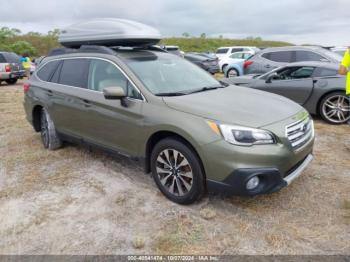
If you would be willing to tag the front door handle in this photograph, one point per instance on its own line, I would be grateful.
(267, 66)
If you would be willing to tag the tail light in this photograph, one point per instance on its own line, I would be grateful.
(7, 68)
(26, 87)
(247, 63)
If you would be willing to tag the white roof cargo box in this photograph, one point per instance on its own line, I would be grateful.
(109, 32)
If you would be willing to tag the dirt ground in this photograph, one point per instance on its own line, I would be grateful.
(73, 201)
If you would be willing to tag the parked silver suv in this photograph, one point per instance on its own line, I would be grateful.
(271, 58)
(10, 68)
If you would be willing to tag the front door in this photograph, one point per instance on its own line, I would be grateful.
(114, 124)
(295, 83)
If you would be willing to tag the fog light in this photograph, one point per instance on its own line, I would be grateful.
(253, 183)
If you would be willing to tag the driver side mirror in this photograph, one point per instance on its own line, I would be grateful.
(114, 92)
(271, 77)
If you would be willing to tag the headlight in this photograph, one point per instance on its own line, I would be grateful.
(244, 136)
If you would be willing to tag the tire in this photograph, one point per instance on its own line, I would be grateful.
(232, 73)
(11, 81)
(335, 108)
(184, 184)
(48, 132)
(223, 68)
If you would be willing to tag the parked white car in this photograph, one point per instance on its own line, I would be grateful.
(226, 51)
(233, 59)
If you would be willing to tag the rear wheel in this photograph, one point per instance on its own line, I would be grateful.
(232, 73)
(177, 171)
(11, 81)
(335, 108)
(48, 132)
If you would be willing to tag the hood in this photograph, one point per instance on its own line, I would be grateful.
(245, 79)
(236, 105)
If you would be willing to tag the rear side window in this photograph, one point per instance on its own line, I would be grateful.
(74, 72)
(324, 72)
(308, 56)
(234, 50)
(2, 59)
(47, 71)
(280, 57)
(222, 51)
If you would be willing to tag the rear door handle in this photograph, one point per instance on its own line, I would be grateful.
(49, 93)
(86, 103)
(267, 66)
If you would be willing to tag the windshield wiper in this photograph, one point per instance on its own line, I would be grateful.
(171, 94)
(203, 89)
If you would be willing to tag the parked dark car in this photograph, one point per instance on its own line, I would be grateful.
(209, 64)
(314, 85)
(10, 68)
(271, 58)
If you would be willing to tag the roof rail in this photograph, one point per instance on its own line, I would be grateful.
(82, 49)
(100, 49)
(96, 49)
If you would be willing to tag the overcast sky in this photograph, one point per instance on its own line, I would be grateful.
(325, 22)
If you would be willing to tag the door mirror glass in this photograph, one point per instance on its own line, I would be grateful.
(271, 77)
(114, 92)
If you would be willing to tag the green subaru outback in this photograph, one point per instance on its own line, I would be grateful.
(192, 132)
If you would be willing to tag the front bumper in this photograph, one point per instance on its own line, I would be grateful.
(271, 180)
(213, 69)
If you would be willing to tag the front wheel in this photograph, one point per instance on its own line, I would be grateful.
(232, 73)
(335, 108)
(177, 171)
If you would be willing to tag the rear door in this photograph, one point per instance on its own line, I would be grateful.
(66, 91)
(295, 83)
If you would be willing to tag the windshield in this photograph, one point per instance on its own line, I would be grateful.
(167, 73)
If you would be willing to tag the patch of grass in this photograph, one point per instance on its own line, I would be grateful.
(138, 242)
(208, 213)
(180, 236)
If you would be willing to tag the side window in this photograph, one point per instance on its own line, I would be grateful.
(47, 70)
(236, 55)
(308, 56)
(303, 72)
(280, 57)
(74, 72)
(290, 73)
(324, 72)
(104, 74)
(2, 59)
(234, 50)
(56, 75)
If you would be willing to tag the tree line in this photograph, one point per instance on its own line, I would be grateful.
(36, 44)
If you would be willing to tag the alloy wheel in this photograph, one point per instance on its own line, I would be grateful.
(232, 73)
(337, 109)
(174, 172)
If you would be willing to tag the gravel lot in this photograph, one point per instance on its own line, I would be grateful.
(76, 201)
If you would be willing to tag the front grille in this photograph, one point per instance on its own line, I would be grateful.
(300, 133)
